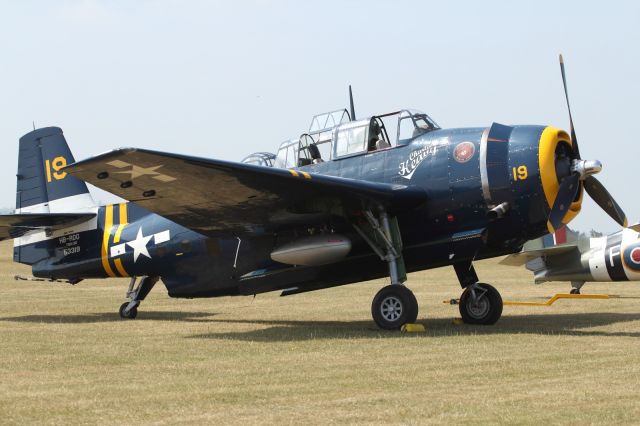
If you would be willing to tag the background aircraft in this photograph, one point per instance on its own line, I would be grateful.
(556, 257)
(347, 201)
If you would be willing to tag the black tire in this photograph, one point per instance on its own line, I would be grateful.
(128, 315)
(487, 310)
(575, 291)
(394, 306)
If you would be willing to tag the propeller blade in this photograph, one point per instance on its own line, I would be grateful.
(566, 194)
(602, 197)
(574, 139)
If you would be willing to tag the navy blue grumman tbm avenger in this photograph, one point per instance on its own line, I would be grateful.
(348, 201)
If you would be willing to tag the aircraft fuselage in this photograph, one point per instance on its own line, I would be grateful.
(465, 173)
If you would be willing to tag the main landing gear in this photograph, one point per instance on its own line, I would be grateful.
(129, 310)
(394, 305)
(480, 303)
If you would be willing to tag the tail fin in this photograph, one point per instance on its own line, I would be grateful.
(557, 238)
(50, 203)
(43, 187)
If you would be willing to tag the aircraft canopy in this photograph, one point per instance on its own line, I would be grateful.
(332, 136)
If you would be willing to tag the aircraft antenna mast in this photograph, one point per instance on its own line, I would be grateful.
(352, 108)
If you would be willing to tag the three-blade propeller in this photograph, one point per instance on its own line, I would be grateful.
(580, 172)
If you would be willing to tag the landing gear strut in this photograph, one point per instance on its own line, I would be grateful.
(136, 294)
(394, 305)
(480, 303)
(576, 286)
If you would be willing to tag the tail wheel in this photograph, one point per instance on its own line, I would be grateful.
(130, 314)
(480, 304)
(394, 306)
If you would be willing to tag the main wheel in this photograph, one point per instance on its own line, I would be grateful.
(393, 306)
(486, 309)
(131, 314)
(575, 291)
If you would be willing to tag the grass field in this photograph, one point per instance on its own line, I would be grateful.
(317, 358)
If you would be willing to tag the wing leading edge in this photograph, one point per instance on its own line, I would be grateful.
(219, 197)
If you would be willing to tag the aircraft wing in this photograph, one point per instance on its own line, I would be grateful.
(16, 225)
(221, 197)
(519, 259)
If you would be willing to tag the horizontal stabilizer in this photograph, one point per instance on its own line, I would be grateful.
(519, 259)
(16, 225)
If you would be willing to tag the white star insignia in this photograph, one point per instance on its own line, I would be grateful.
(139, 245)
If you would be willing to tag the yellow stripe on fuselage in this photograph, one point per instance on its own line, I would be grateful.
(120, 267)
(108, 224)
(123, 222)
(122, 209)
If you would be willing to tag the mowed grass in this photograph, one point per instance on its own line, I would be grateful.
(317, 358)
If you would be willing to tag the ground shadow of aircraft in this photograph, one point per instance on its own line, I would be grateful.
(99, 317)
(577, 324)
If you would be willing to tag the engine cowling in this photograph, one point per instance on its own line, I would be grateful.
(554, 159)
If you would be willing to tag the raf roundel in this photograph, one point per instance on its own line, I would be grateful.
(464, 151)
(632, 257)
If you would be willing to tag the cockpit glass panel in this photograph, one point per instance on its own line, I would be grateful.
(351, 140)
(328, 120)
(405, 128)
(287, 154)
(281, 159)
(412, 124)
(315, 125)
(390, 124)
(325, 150)
(331, 122)
(424, 122)
(260, 159)
(292, 156)
(305, 140)
(344, 116)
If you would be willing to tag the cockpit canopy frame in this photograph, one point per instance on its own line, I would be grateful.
(333, 135)
(266, 159)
